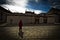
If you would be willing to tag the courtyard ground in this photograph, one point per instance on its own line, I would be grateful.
(30, 33)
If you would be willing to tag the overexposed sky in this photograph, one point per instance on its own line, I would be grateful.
(20, 6)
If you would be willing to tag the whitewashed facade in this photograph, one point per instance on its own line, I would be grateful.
(52, 16)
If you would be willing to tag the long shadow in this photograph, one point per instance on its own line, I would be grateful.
(4, 35)
(55, 34)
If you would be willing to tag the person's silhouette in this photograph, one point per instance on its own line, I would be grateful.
(20, 29)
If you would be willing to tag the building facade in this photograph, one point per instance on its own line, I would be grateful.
(3, 15)
(52, 17)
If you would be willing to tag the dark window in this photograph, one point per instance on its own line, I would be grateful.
(1, 17)
(45, 20)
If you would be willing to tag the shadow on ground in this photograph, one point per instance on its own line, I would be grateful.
(4, 35)
(53, 35)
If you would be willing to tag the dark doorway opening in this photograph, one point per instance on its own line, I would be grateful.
(45, 20)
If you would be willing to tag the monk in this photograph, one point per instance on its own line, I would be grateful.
(20, 29)
(20, 25)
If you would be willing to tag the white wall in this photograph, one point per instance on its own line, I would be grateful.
(27, 20)
(50, 20)
(16, 19)
(41, 20)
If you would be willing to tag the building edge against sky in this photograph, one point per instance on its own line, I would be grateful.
(21, 9)
(29, 17)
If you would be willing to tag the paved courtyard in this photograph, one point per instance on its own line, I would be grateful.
(30, 33)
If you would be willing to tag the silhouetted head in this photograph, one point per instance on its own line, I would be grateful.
(20, 21)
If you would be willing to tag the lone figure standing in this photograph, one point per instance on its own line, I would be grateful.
(20, 25)
(20, 29)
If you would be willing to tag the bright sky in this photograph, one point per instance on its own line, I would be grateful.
(23, 5)
(38, 6)
(16, 5)
(19, 6)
